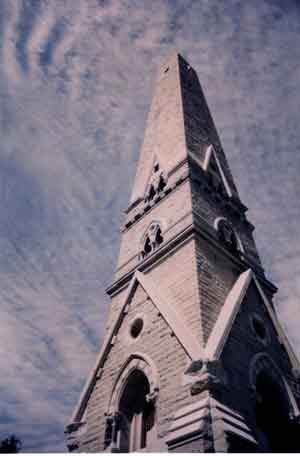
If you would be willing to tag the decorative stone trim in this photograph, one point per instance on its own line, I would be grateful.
(227, 232)
(211, 153)
(140, 362)
(187, 421)
(211, 377)
(152, 397)
(151, 240)
(74, 431)
(111, 429)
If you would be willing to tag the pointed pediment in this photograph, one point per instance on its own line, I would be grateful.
(228, 314)
(187, 340)
(213, 167)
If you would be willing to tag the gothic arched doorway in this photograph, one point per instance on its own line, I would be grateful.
(136, 412)
(276, 431)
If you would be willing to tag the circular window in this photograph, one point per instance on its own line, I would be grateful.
(259, 328)
(136, 328)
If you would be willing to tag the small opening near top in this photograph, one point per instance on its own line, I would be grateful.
(166, 70)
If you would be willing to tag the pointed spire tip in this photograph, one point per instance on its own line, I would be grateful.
(174, 58)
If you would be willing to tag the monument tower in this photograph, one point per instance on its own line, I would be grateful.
(194, 358)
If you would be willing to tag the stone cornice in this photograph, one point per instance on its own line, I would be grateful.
(171, 227)
(148, 262)
(137, 201)
(195, 419)
(147, 207)
(232, 204)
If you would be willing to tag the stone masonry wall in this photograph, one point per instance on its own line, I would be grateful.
(216, 275)
(176, 277)
(163, 348)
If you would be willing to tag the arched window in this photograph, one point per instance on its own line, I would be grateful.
(152, 239)
(136, 413)
(227, 235)
(275, 409)
(276, 431)
(131, 414)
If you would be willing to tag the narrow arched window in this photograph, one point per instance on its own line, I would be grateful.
(136, 413)
(152, 239)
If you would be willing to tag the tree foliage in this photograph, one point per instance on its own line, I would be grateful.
(10, 445)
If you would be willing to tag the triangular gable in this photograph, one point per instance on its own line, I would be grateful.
(187, 340)
(224, 323)
(210, 158)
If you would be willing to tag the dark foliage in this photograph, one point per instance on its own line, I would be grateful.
(10, 445)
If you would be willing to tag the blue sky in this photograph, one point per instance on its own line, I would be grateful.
(76, 78)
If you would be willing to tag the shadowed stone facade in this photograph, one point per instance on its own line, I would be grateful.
(194, 358)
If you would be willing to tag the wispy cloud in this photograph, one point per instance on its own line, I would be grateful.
(75, 86)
